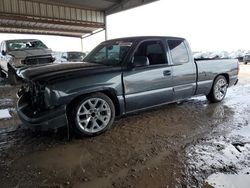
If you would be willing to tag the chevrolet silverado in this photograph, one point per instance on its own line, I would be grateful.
(119, 77)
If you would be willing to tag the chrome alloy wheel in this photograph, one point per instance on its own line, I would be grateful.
(220, 89)
(93, 115)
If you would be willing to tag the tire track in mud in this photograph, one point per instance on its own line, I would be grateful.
(135, 141)
(158, 138)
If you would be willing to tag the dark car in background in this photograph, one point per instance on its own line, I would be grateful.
(73, 56)
(246, 59)
(16, 54)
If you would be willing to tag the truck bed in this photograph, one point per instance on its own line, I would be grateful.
(208, 69)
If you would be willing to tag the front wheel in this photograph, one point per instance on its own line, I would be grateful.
(94, 114)
(245, 63)
(219, 90)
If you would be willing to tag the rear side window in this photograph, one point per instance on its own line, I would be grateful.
(178, 51)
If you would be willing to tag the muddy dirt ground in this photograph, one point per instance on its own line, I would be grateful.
(191, 144)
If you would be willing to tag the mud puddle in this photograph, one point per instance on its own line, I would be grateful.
(4, 114)
(239, 180)
(222, 158)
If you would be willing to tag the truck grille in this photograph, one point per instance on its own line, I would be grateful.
(37, 60)
(36, 93)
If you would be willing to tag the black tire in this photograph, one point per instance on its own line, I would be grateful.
(12, 77)
(245, 63)
(77, 107)
(218, 93)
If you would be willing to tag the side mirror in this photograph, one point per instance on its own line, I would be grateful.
(3, 53)
(140, 61)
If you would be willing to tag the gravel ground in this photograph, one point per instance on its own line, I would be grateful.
(191, 144)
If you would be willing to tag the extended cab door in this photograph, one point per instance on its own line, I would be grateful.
(148, 85)
(184, 70)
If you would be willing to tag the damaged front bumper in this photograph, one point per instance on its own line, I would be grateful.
(50, 119)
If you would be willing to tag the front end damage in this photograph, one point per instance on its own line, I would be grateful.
(35, 110)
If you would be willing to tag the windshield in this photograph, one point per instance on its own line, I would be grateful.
(25, 45)
(110, 53)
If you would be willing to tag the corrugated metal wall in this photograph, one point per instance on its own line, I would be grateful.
(44, 10)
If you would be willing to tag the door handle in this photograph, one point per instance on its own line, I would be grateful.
(167, 72)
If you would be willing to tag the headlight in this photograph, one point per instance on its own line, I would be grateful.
(18, 62)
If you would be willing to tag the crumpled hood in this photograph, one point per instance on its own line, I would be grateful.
(22, 54)
(60, 70)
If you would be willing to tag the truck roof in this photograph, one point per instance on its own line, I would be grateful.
(145, 37)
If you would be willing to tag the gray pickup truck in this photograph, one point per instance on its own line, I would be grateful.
(119, 77)
(22, 53)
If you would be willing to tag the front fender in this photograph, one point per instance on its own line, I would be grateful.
(64, 91)
(66, 98)
(118, 100)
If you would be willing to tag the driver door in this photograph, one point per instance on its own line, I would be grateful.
(149, 85)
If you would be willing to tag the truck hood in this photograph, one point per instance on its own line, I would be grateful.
(22, 54)
(62, 70)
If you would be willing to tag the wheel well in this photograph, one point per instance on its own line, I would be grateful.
(225, 75)
(111, 94)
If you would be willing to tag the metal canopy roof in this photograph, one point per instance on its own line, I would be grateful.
(60, 17)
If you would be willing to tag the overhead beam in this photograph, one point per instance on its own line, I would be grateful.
(40, 32)
(50, 21)
(47, 29)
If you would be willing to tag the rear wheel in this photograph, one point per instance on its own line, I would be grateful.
(12, 77)
(245, 63)
(219, 90)
(93, 115)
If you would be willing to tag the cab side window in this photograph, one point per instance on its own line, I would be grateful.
(154, 50)
(178, 51)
